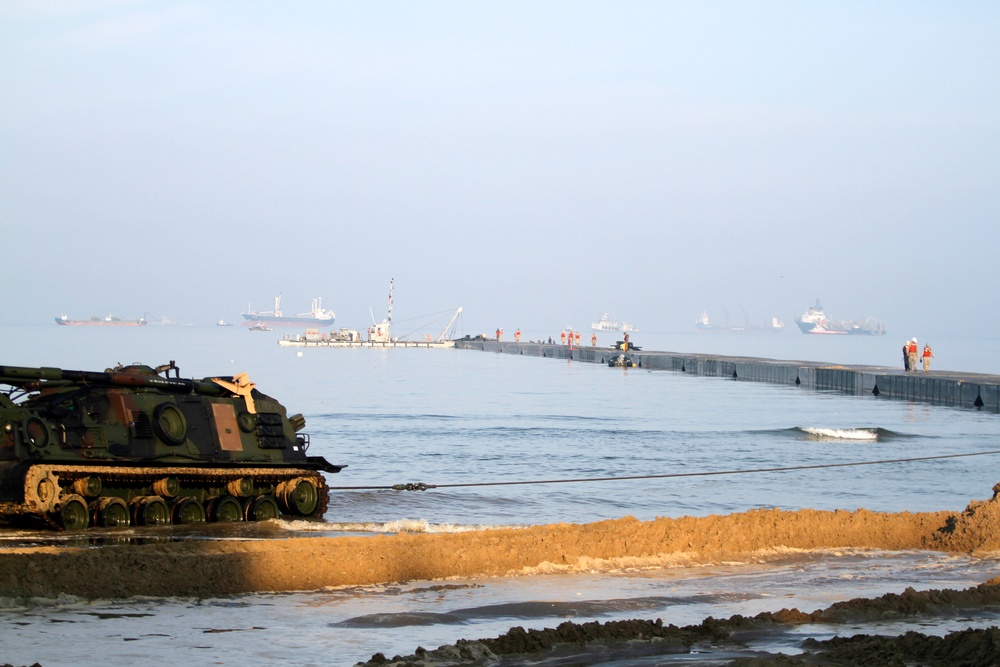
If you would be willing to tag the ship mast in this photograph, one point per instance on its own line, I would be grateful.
(389, 317)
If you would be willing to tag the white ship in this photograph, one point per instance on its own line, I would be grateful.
(607, 324)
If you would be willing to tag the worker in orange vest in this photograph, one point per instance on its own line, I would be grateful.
(562, 337)
(927, 354)
(499, 334)
(517, 336)
(593, 340)
(911, 354)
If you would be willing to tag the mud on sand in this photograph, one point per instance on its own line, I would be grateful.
(636, 639)
(211, 568)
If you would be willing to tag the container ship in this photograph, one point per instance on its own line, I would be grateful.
(109, 321)
(703, 323)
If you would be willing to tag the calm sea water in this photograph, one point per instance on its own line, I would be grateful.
(449, 417)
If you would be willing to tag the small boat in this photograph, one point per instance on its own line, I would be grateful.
(260, 326)
(109, 321)
(223, 323)
(621, 361)
(607, 324)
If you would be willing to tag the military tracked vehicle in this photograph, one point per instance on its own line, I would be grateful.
(136, 445)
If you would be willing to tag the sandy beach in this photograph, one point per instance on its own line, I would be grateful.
(210, 568)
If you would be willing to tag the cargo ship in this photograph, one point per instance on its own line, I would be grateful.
(109, 321)
(814, 321)
(703, 323)
(316, 317)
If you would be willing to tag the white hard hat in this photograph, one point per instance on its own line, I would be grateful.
(914, 340)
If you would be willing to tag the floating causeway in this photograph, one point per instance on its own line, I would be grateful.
(972, 391)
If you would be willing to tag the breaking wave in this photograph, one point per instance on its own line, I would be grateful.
(864, 434)
(390, 527)
(867, 434)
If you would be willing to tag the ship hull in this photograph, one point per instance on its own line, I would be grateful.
(805, 327)
(855, 330)
(287, 320)
(100, 323)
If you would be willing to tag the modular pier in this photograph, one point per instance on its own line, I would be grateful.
(961, 390)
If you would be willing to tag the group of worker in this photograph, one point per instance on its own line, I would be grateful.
(911, 354)
(571, 338)
(567, 337)
(517, 335)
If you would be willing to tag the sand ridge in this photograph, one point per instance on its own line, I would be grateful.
(211, 568)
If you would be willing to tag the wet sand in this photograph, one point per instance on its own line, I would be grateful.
(209, 568)
(213, 568)
(719, 641)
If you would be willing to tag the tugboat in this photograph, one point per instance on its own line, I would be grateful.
(814, 321)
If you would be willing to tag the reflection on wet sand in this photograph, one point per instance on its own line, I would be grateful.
(738, 639)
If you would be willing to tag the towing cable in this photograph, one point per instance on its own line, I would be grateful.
(420, 486)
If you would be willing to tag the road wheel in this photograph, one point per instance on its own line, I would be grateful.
(188, 510)
(262, 508)
(72, 513)
(150, 511)
(225, 509)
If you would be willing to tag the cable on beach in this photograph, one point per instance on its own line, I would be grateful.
(420, 486)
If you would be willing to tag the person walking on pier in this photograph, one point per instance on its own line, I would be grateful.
(911, 355)
(593, 340)
(927, 354)
(906, 355)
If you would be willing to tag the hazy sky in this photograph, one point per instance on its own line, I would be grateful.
(538, 163)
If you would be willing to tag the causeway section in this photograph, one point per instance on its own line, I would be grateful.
(972, 391)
